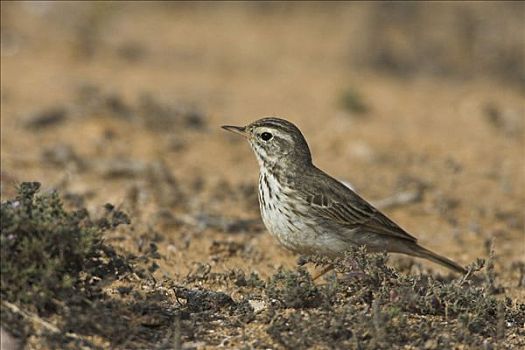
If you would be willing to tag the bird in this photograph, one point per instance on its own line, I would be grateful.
(311, 213)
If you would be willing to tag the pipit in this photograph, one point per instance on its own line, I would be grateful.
(311, 213)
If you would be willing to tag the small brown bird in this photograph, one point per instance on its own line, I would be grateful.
(308, 211)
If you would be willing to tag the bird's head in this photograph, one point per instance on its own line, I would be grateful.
(275, 140)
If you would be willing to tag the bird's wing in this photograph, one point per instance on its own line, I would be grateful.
(339, 204)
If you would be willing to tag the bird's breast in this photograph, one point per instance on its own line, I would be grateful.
(285, 215)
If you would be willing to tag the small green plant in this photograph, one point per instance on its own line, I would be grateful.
(48, 252)
(371, 306)
(294, 289)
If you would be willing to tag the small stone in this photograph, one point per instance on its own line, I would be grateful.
(257, 305)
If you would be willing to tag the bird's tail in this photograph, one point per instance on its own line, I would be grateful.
(424, 253)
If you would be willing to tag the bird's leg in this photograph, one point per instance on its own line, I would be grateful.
(324, 270)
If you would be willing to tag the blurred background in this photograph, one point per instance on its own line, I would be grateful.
(419, 105)
(122, 102)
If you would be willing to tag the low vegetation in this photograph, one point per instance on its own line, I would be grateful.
(64, 286)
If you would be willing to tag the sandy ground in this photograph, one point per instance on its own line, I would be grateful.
(461, 139)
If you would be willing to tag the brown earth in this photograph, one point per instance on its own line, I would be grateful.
(138, 93)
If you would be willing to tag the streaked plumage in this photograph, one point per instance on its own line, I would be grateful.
(308, 211)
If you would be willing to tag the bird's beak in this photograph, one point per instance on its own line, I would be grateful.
(236, 129)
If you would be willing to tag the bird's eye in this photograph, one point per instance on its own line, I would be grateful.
(266, 136)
